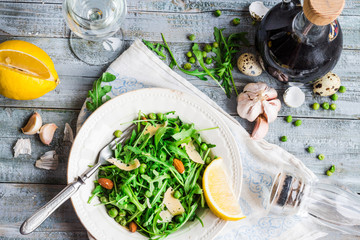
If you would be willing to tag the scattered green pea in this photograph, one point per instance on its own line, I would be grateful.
(283, 138)
(207, 48)
(177, 194)
(204, 54)
(321, 156)
(122, 222)
(152, 116)
(117, 133)
(289, 119)
(142, 168)
(192, 37)
(217, 13)
(325, 105)
(329, 173)
(298, 123)
(236, 21)
(334, 97)
(332, 169)
(118, 219)
(148, 194)
(208, 60)
(311, 149)
(204, 146)
(189, 54)
(342, 89)
(113, 212)
(215, 45)
(122, 213)
(187, 66)
(103, 199)
(160, 116)
(333, 106)
(192, 60)
(316, 106)
(208, 160)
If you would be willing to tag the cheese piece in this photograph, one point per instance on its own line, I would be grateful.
(22, 146)
(166, 216)
(173, 205)
(192, 153)
(153, 129)
(124, 166)
(48, 161)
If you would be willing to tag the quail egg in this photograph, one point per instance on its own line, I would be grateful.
(327, 85)
(248, 65)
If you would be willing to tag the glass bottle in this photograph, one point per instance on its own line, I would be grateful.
(326, 203)
(300, 44)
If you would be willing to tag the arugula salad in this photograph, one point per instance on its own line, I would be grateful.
(153, 183)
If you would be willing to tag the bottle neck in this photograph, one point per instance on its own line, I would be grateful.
(306, 31)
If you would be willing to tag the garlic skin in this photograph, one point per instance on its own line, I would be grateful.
(47, 133)
(258, 102)
(33, 125)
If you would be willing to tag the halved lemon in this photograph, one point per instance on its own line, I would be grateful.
(218, 193)
(26, 71)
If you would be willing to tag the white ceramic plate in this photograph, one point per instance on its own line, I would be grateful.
(98, 130)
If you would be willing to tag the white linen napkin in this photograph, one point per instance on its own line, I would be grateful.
(138, 67)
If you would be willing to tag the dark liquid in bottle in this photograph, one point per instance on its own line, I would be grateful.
(293, 56)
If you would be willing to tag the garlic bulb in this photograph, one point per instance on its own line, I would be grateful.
(258, 102)
(33, 125)
(47, 133)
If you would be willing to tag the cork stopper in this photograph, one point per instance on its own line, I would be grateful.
(322, 12)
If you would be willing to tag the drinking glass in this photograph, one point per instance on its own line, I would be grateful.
(96, 37)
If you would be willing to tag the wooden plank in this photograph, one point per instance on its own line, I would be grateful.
(19, 201)
(337, 139)
(20, 20)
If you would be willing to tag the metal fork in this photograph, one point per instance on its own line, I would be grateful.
(45, 211)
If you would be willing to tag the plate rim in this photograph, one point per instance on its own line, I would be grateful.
(173, 91)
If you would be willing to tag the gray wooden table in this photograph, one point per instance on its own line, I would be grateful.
(24, 188)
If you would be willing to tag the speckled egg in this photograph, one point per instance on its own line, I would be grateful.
(327, 85)
(248, 65)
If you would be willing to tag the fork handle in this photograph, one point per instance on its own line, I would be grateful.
(45, 211)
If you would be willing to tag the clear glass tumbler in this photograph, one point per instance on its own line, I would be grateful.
(96, 37)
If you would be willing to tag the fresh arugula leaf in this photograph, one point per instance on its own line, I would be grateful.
(157, 48)
(98, 92)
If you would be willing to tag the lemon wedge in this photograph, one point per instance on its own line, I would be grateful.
(218, 193)
(26, 71)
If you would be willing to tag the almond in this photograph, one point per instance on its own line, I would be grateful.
(132, 226)
(179, 165)
(106, 183)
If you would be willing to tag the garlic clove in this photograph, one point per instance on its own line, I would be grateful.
(33, 125)
(271, 109)
(261, 128)
(47, 133)
(247, 108)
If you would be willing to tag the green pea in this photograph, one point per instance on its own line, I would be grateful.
(333, 106)
(332, 169)
(311, 149)
(152, 116)
(208, 160)
(148, 194)
(177, 194)
(325, 105)
(122, 213)
(117, 133)
(142, 170)
(208, 60)
(207, 48)
(316, 106)
(204, 54)
(189, 54)
(283, 138)
(204, 146)
(160, 116)
(236, 21)
(342, 89)
(329, 173)
(334, 97)
(217, 13)
(122, 222)
(298, 123)
(289, 119)
(321, 156)
(215, 45)
(187, 66)
(103, 199)
(113, 212)
(179, 218)
(192, 37)
(118, 219)
(192, 60)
